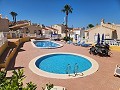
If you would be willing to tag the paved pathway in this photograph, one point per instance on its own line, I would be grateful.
(103, 79)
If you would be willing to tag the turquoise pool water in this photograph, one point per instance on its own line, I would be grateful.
(46, 44)
(63, 63)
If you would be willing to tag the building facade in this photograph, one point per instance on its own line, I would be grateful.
(110, 31)
(80, 32)
(60, 28)
(4, 24)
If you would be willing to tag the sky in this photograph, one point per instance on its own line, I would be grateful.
(48, 12)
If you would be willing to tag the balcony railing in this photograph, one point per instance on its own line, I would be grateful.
(112, 42)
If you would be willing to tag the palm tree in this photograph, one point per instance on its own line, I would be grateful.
(67, 9)
(14, 14)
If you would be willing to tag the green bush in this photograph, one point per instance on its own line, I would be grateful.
(49, 86)
(15, 82)
(67, 38)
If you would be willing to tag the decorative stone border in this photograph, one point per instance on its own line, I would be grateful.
(40, 72)
(60, 45)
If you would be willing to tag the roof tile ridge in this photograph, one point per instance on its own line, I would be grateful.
(110, 26)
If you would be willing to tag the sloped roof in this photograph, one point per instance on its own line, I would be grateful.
(16, 27)
(92, 28)
(106, 25)
(45, 28)
(51, 28)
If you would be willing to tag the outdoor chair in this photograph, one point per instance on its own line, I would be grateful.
(83, 44)
(77, 44)
(69, 42)
(117, 71)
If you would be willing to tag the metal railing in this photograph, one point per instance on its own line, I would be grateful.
(19, 35)
(112, 42)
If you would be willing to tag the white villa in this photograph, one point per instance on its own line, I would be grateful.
(32, 29)
(60, 28)
(80, 32)
(110, 31)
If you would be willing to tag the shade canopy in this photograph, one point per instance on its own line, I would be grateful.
(102, 38)
(98, 39)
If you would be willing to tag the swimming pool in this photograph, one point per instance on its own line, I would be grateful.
(46, 44)
(62, 65)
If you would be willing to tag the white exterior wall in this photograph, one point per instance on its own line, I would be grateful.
(32, 29)
(101, 30)
(118, 32)
(1, 35)
(82, 33)
(60, 28)
(77, 32)
(110, 31)
(86, 34)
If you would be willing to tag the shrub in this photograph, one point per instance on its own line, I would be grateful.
(49, 86)
(67, 38)
(15, 82)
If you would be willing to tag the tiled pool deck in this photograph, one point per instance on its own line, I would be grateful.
(103, 79)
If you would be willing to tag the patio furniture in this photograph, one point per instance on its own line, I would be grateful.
(117, 71)
(69, 42)
(83, 44)
(77, 44)
(57, 88)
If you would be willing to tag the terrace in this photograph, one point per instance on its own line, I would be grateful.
(101, 80)
(17, 52)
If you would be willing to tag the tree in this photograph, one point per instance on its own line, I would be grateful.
(90, 26)
(67, 9)
(43, 26)
(14, 14)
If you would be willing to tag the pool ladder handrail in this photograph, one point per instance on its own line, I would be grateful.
(76, 69)
(68, 69)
